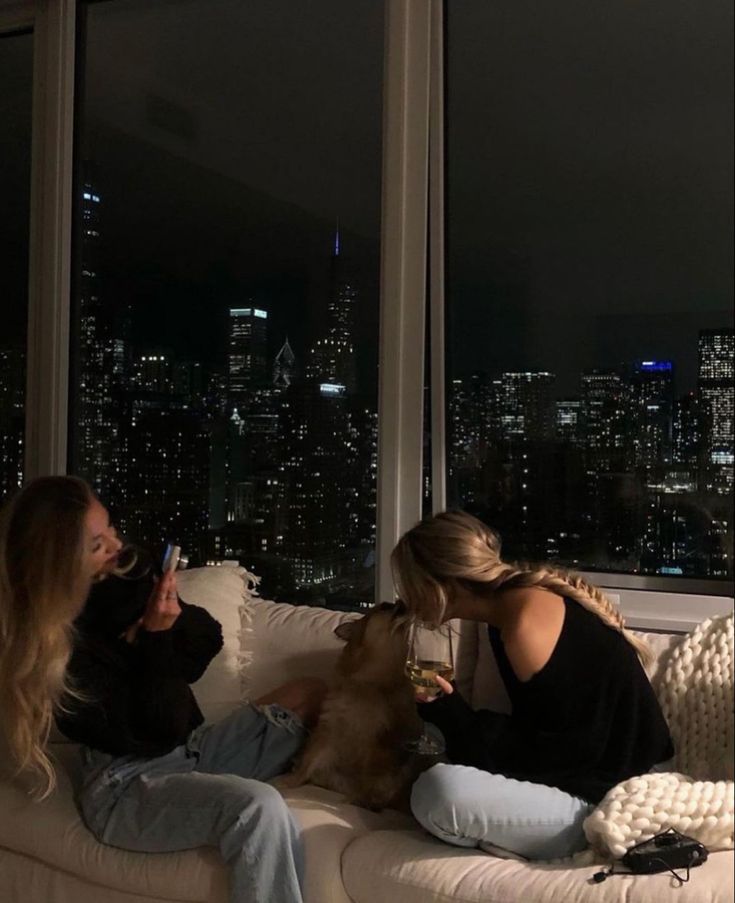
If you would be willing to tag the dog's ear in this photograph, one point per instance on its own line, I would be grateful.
(345, 630)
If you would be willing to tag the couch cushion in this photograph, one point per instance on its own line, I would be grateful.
(328, 827)
(52, 832)
(411, 867)
(287, 641)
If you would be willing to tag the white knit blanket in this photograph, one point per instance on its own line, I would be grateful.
(695, 689)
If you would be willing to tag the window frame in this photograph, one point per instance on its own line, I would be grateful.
(412, 236)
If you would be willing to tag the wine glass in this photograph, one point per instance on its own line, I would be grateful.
(429, 655)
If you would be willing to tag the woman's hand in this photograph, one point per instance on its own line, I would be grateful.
(444, 685)
(163, 607)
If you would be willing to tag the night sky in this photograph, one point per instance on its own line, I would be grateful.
(589, 175)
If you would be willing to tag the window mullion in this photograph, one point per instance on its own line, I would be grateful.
(403, 276)
(50, 239)
(436, 263)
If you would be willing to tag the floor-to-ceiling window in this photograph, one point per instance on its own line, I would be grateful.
(16, 78)
(589, 274)
(226, 275)
(225, 279)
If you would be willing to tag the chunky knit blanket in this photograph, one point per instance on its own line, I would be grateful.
(695, 689)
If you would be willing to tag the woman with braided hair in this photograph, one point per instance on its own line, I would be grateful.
(584, 716)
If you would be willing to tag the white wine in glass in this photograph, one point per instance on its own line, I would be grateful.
(429, 655)
(424, 672)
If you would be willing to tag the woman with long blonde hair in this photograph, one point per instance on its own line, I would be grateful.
(91, 638)
(583, 714)
(43, 585)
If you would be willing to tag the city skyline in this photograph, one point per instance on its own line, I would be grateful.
(272, 426)
(253, 430)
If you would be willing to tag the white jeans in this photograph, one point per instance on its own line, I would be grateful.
(471, 808)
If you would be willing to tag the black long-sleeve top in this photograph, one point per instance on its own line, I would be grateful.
(588, 720)
(136, 696)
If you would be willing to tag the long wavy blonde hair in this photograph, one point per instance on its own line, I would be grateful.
(43, 586)
(454, 547)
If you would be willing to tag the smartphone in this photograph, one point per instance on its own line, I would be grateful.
(171, 558)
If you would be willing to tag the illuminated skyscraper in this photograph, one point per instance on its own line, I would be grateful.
(527, 405)
(569, 420)
(716, 382)
(247, 351)
(12, 419)
(100, 363)
(284, 367)
(603, 420)
(716, 386)
(652, 398)
(332, 357)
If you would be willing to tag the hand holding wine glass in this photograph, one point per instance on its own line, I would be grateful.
(430, 668)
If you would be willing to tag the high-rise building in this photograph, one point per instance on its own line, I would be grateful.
(527, 405)
(652, 400)
(284, 367)
(569, 420)
(603, 413)
(332, 357)
(100, 361)
(152, 370)
(12, 419)
(247, 352)
(166, 490)
(687, 430)
(716, 388)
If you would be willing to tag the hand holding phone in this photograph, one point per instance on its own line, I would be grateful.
(163, 607)
(171, 558)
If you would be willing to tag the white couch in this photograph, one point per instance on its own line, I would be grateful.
(352, 856)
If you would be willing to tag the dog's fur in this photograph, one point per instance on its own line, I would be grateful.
(368, 715)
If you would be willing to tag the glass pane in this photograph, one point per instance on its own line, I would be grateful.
(227, 283)
(16, 77)
(590, 280)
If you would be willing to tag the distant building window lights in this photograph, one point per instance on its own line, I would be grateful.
(248, 312)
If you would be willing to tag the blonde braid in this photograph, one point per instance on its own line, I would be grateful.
(454, 546)
(575, 587)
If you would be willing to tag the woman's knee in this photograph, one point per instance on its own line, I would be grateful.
(432, 792)
(245, 798)
(435, 804)
(464, 806)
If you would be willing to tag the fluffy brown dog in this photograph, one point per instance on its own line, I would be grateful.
(368, 715)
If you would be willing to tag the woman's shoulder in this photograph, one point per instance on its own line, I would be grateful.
(525, 608)
(532, 624)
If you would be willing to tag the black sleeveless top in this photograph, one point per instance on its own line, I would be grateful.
(586, 721)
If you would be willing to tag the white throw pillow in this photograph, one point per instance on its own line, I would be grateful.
(283, 642)
(226, 593)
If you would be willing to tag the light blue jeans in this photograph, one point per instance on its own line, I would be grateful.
(208, 792)
(471, 808)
